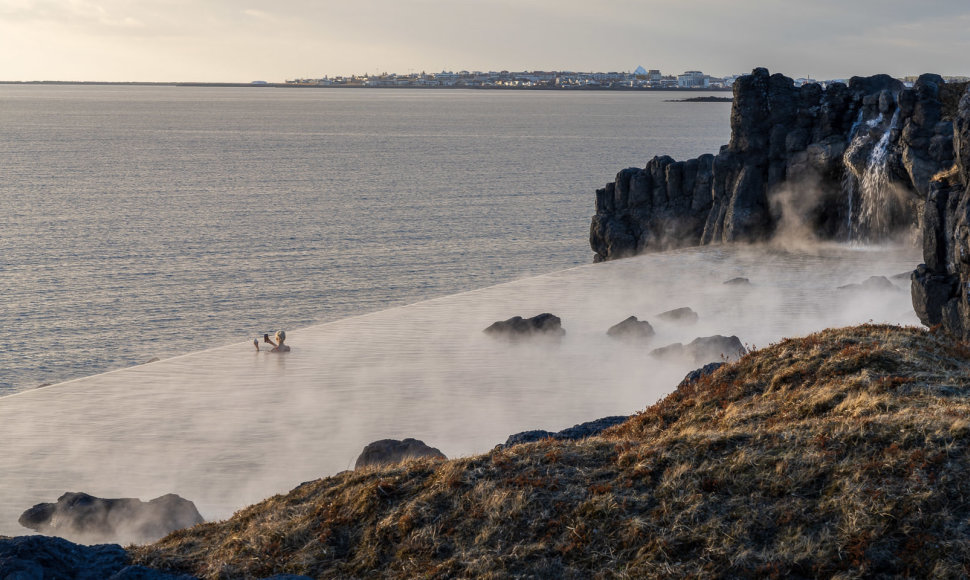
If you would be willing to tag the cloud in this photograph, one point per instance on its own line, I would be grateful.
(290, 38)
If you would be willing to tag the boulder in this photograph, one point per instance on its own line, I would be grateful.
(85, 518)
(29, 557)
(715, 348)
(392, 451)
(696, 374)
(632, 329)
(546, 325)
(581, 431)
(703, 350)
(679, 315)
(43, 557)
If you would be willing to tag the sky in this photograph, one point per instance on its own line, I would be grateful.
(244, 41)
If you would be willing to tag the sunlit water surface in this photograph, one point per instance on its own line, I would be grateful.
(229, 426)
(144, 222)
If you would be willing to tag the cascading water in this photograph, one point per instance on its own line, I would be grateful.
(877, 202)
(871, 183)
(849, 181)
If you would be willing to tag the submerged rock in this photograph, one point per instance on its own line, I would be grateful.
(86, 518)
(632, 329)
(544, 324)
(680, 315)
(737, 282)
(873, 283)
(391, 451)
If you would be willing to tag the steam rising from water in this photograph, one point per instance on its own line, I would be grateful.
(228, 426)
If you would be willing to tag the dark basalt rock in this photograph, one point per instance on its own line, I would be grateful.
(632, 329)
(392, 451)
(683, 315)
(51, 558)
(696, 374)
(703, 350)
(85, 518)
(30, 557)
(544, 324)
(581, 431)
(938, 285)
(785, 156)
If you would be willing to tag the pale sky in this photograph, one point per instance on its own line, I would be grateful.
(243, 41)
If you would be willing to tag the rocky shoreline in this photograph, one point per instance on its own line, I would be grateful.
(799, 158)
(868, 161)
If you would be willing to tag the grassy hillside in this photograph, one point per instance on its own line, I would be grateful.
(844, 453)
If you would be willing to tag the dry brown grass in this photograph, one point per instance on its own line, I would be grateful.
(840, 454)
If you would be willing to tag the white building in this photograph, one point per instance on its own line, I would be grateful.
(693, 79)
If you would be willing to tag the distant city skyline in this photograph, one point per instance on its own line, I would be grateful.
(232, 41)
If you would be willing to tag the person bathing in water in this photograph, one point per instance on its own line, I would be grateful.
(278, 346)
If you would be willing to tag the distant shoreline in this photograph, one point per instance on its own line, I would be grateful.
(312, 86)
(702, 100)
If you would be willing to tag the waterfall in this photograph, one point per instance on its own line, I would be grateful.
(877, 202)
(869, 184)
(849, 180)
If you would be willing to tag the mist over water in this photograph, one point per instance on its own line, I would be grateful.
(229, 426)
(161, 221)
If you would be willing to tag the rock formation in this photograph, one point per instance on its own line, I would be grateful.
(940, 285)
(631, 329)
(43, 558)
(843, 162)
(576, 432)
(517, 327)
(391, 451)
(697, 374)
(85, 518)
(685, 315)
(704, 349)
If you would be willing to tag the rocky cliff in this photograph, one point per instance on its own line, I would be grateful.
(844, 162)
(941, 285)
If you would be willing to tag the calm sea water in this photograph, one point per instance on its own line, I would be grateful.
(143, 222)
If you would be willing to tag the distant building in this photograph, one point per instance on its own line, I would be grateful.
(640, 79)
(693, 79)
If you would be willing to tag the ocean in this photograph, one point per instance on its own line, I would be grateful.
(144, 222)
